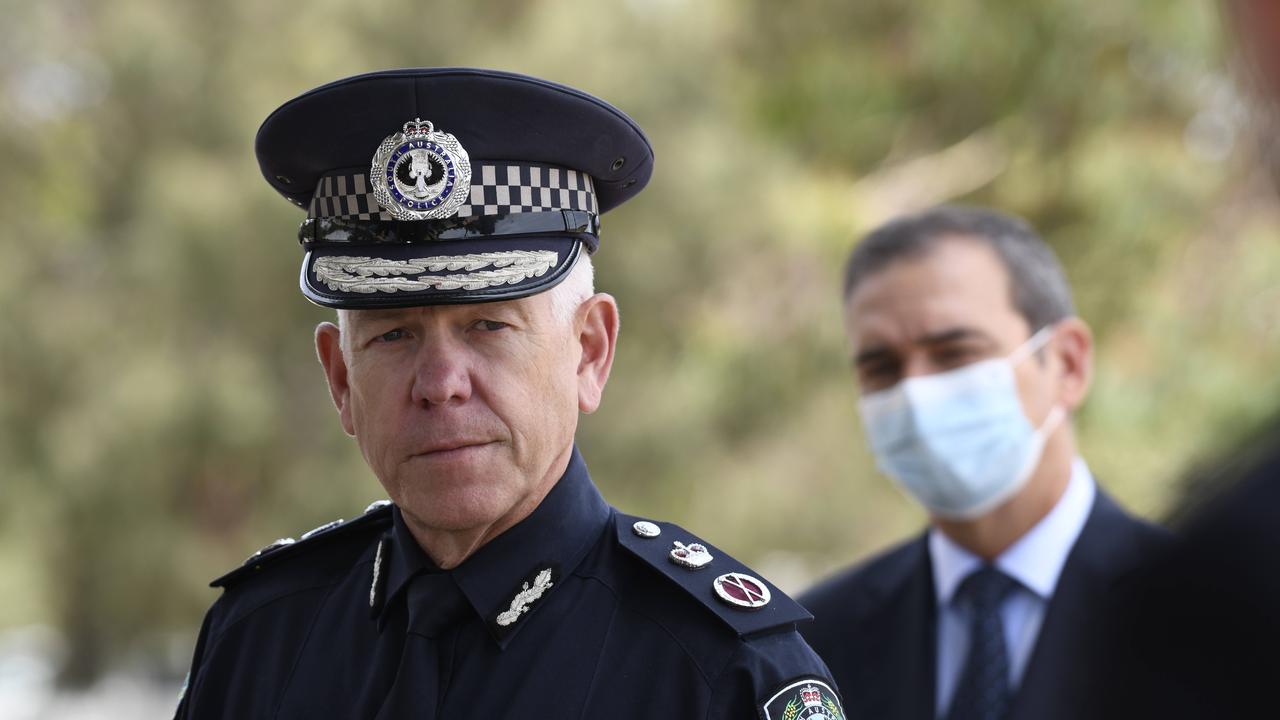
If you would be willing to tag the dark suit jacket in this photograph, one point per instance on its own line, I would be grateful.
(875, 625)
(1196, 634)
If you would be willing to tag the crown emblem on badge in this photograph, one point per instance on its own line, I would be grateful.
(692, 556)
(421, 173)
(807, 699)
(811, 696)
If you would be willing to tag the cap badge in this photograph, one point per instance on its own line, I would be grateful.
(420, 173)
(692, 556)
(741, 590)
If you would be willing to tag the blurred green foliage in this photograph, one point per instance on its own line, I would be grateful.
(162, 414)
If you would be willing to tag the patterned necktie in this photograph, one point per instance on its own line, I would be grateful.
(983, 692)
(435, 606)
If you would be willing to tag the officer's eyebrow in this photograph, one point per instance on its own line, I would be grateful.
(520, 307)
(361, 317)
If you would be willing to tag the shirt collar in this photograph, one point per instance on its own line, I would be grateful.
(1036, 559)
(557, 535)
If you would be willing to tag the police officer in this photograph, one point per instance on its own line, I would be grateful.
(451, 218)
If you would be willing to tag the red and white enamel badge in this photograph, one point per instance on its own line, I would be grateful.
(742, 590)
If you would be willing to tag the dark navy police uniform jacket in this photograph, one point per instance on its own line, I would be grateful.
(569, 614)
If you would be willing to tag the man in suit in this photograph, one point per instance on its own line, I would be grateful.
(970, 360)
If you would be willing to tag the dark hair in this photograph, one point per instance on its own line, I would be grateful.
(1038, 286)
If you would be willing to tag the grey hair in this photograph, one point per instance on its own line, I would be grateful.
(573, 290)
(1037, 285)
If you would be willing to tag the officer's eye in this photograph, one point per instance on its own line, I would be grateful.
(391, 336)
(490, 325)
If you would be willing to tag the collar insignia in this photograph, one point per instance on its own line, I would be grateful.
(421, 173)
(692, 556)
(526, 596)
(375, 585)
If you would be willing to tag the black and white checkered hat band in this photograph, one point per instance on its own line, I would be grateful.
(496, 188)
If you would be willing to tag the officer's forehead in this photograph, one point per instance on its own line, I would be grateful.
(525, 307)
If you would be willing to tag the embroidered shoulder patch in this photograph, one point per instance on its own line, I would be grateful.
(805, 699)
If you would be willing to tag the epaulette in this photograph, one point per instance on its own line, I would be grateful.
(746, 602)
(378, 513)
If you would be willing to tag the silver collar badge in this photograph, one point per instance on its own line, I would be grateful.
(375, 584)
(421, 173)
(523, 599)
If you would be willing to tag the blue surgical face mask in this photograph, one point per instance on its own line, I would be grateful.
(957, 441)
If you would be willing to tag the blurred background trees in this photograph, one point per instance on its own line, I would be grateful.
(161, 412)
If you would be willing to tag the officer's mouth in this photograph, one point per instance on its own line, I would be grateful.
(454, 449)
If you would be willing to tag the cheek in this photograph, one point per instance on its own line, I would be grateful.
(1036, 388)
(563, 377)
(545, 395)
(374, 403)
(538, 396)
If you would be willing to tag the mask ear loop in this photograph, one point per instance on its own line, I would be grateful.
(1032, 345)
(1042, 434)
(1051, 422)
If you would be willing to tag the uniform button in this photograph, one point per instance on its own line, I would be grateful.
(646, 529)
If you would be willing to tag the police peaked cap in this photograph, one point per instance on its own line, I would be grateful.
(447, 185)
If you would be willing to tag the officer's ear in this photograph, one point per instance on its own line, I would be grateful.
(1073, 348)
(597, 326)
(329, 350)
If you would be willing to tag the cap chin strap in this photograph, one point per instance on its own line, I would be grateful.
(350, 231)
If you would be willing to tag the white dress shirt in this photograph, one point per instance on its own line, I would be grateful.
(1035, 561)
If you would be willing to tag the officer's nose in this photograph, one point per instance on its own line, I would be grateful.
(442, 374)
